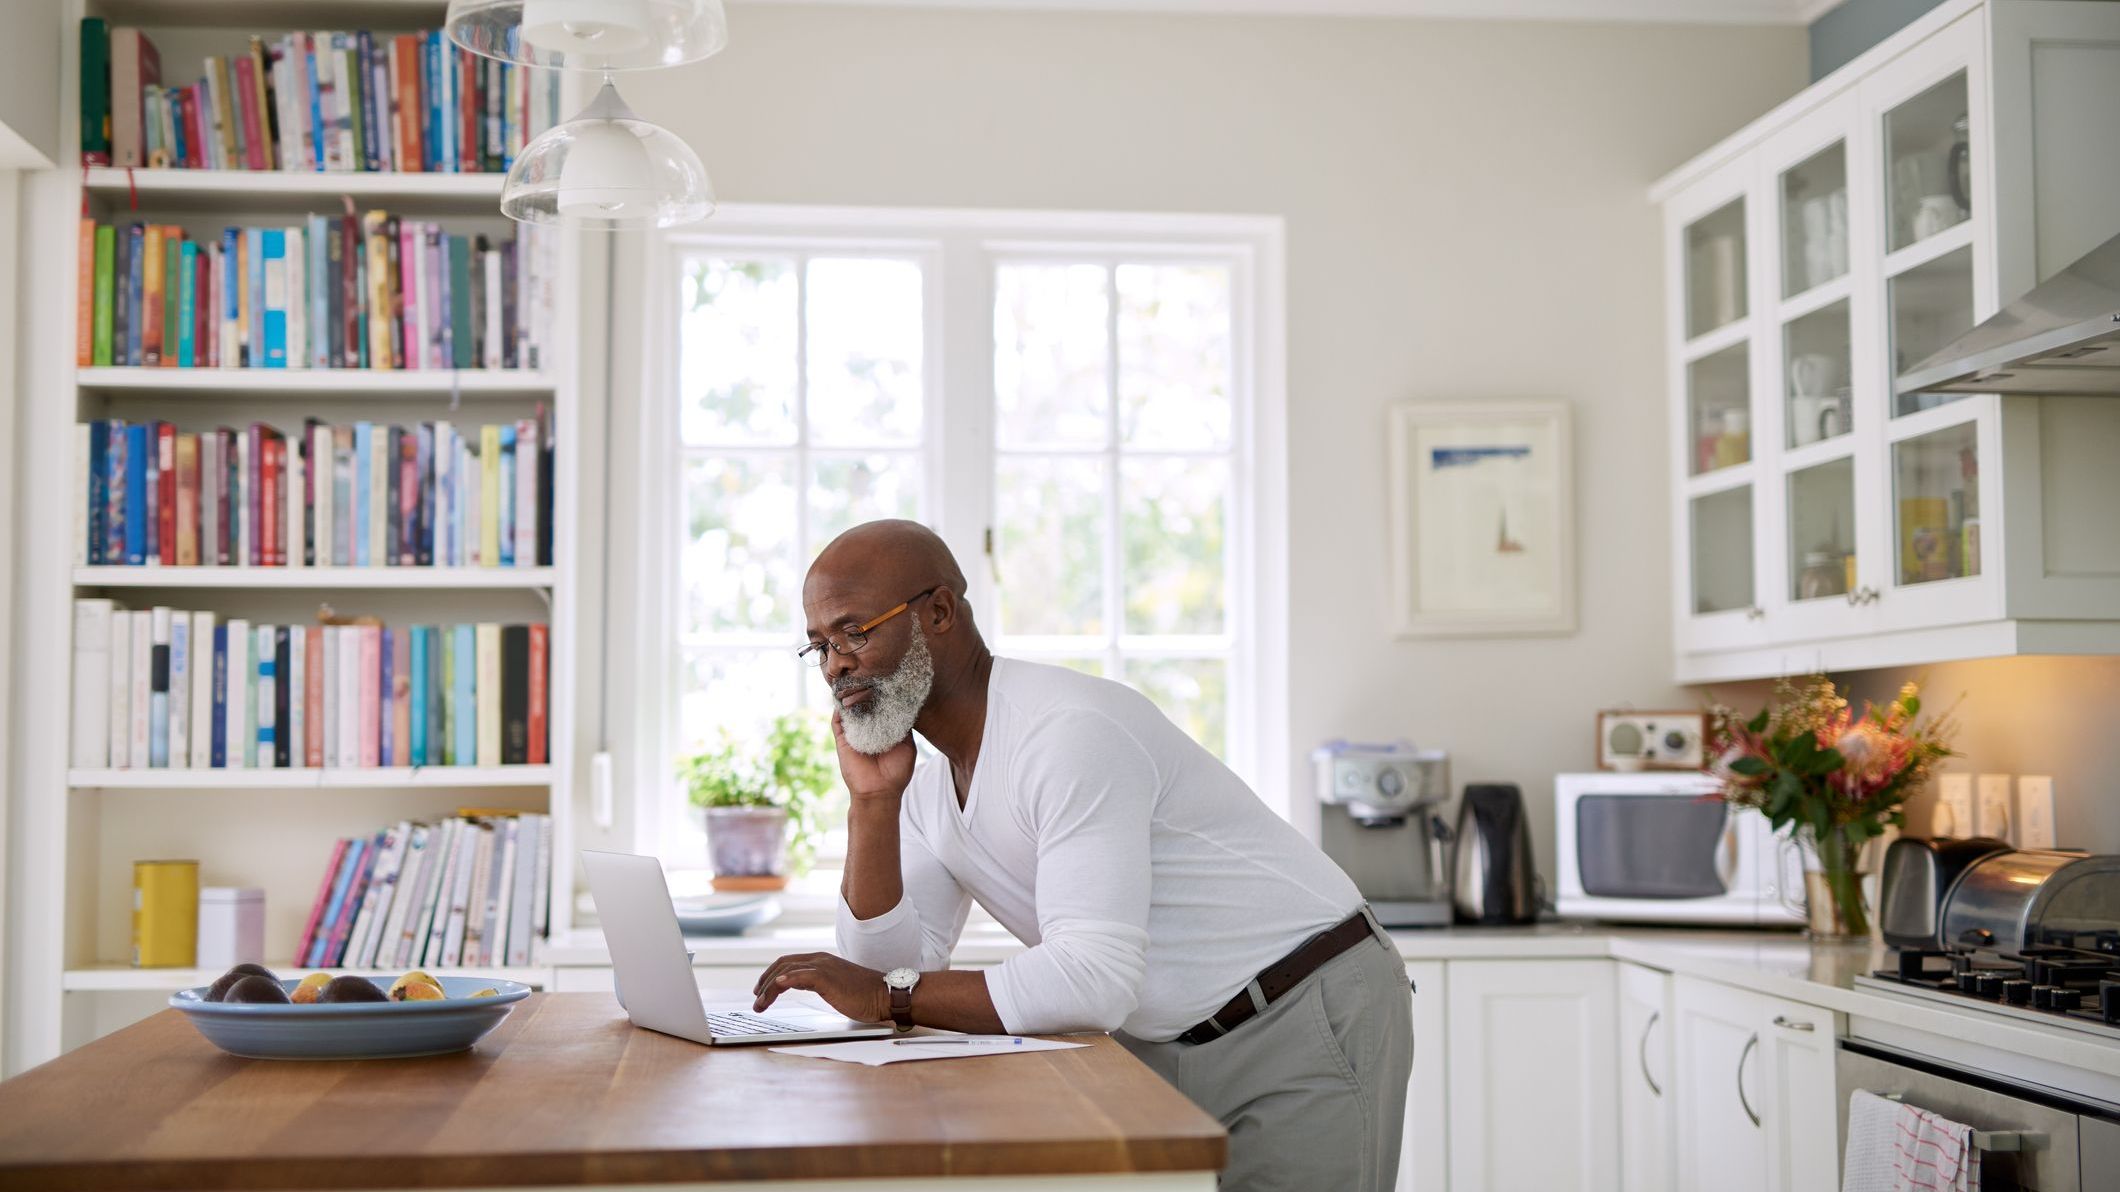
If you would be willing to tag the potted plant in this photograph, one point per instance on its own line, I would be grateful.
(761, 802)
(1830, 779)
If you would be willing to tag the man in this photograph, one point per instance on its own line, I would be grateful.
(1159, 898)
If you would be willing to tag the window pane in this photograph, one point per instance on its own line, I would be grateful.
(865, 351)
(848, 490)
(1051, 371)
(739, 553)
(740, 690)
(1174, 346)
(1193, 692)
(1174, 543)
(737, 351)
(1051, 544)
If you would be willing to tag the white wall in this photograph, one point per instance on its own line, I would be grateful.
(1466, 219)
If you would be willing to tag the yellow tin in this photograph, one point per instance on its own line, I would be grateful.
(165, 922)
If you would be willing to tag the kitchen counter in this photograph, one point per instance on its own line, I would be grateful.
(566, 1091)
(1780, 964)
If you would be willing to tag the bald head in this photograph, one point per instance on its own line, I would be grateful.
(900, 556)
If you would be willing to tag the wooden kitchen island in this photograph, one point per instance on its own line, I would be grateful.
(567, 1092)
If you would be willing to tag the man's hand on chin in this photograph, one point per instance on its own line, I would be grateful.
(857, 992)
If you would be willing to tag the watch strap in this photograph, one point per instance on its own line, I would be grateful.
(902, 1008)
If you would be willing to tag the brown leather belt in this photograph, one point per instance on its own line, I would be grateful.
(1276, 979)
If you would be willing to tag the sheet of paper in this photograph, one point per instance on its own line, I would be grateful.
(877, 1052)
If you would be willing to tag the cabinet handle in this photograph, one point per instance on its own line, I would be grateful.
(1791, 1025)
(1742, 1056)
(1643, 1052)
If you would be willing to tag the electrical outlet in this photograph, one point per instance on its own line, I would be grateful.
(1991, 808)
(1952, 817)
(2035, 811)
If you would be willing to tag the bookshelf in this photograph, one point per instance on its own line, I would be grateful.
(122, 979)
(82, 828)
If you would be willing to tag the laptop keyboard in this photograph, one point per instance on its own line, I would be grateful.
(750, 1024)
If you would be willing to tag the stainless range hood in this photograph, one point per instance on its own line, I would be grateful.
(2062, 340)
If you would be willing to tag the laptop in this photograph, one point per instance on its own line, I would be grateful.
(648, 955)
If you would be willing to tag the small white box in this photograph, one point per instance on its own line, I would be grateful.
(231, 926)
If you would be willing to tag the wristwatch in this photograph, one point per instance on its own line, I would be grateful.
(901, 982)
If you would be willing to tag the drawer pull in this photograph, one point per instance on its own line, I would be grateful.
(1792, 1025)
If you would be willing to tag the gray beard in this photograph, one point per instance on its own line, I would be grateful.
(879, 723)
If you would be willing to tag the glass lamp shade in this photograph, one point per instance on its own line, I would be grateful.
(590, 34)
(607, 169)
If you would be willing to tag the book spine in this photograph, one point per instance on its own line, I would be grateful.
(188, 305)
(284, 751)
(371, 650)
(241, 721)
(153, 488)
(519, 909)
(349, 865)
(375, 901)
(323, 898)
(268, 698)
(105, 295)
(348, 714)
(120, 700)
(142, 702)
(386, 722)
(187, 500)
(401, 698)
(356, 894)
(405, 889)
(515, 694)
(294, 694)
(161, 622)
(202, 690)
(91, 691)
(416, 698)
(501, 917)
(177, 754)
(166, 494)
(539, 661)
(437, 698)
(135, 495)
(378, 512)
(95, 92)
(489, 694)
(445, 642)
(466, 689)
(85, 294)
(438, 922)
(313, 695)
(219, 736)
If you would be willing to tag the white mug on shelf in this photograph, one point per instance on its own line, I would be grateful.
(1937, 213)
(1811, 374)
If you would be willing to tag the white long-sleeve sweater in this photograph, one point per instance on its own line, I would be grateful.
(1149, 883)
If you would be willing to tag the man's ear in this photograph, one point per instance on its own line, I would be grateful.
(943, 610)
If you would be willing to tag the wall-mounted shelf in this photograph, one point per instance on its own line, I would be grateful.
(464, 579)
(306, 384)
(298, 779)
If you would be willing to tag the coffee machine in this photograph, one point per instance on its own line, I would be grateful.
(1381, 823)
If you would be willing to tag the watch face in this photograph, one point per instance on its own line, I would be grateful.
(901, 978)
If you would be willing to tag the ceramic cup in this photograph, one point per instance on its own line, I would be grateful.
(1811, 374)
(1936, 213)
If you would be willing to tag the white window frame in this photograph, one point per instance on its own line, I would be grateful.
(961, 250)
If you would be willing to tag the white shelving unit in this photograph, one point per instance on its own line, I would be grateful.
(457, 579)
(327, 778)
(269, 828)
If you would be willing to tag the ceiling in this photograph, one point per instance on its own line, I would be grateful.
(1707, 12)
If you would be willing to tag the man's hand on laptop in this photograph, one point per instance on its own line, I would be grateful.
(857, 992)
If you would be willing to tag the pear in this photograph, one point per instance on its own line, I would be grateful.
(311, 989)
(487, 993)
(415, 986)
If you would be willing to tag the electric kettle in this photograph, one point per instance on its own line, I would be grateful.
(1493, 881)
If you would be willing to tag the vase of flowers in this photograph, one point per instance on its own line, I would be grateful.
(1829, 779)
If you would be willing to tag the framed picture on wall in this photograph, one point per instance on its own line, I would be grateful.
(1482, 519)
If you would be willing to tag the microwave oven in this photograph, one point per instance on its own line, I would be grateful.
(1658, 848)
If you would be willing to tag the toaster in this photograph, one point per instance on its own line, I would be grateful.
(1919, 876)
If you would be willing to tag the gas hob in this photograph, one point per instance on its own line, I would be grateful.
(2075, 988)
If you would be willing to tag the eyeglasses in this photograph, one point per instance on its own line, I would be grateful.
(853, 637)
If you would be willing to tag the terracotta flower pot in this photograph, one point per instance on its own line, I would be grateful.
(746, 844)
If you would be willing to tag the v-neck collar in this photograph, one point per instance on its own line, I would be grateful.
(979, 766)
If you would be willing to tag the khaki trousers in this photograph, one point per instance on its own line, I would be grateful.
(1313, 1091)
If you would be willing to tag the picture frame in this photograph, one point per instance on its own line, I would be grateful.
(1482, 519)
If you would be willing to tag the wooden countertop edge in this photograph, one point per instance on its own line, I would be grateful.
(1183, 1153)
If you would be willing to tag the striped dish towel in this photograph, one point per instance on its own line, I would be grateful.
(1895, 1147)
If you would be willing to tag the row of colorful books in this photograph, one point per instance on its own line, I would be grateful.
(350, 495)
(473, 890)
(326, 101)
(336, 291)
(162, 688)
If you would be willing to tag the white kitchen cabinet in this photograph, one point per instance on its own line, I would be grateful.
(1424, 1155)
(1715, 1086)
(1801, 1110)
(1753, 1085)
(1821, 518)
(1646, 1150)
(1532, 1070)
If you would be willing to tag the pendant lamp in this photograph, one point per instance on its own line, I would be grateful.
(590, 34)
(607, 169)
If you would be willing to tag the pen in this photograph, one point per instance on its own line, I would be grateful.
(937, 1042)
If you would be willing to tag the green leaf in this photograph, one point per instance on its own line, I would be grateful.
(1912, 704)
(1758, 724)
(1750, 767)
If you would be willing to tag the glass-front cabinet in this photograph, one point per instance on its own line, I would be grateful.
(1821, 512)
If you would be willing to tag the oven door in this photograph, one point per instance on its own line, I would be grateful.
(2024, 1143)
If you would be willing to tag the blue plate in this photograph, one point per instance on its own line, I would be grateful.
(352, 1030)
(724, 914)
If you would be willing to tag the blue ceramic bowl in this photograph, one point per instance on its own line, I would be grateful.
(352, 1030)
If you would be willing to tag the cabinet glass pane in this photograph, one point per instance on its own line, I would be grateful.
(1715, 269)
(1932, 304)
(1936, 487)
(1718, 399)
(1814, 220)
(1822, 530)
(1722, 551)
(1814, 368)
(1928, 164)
